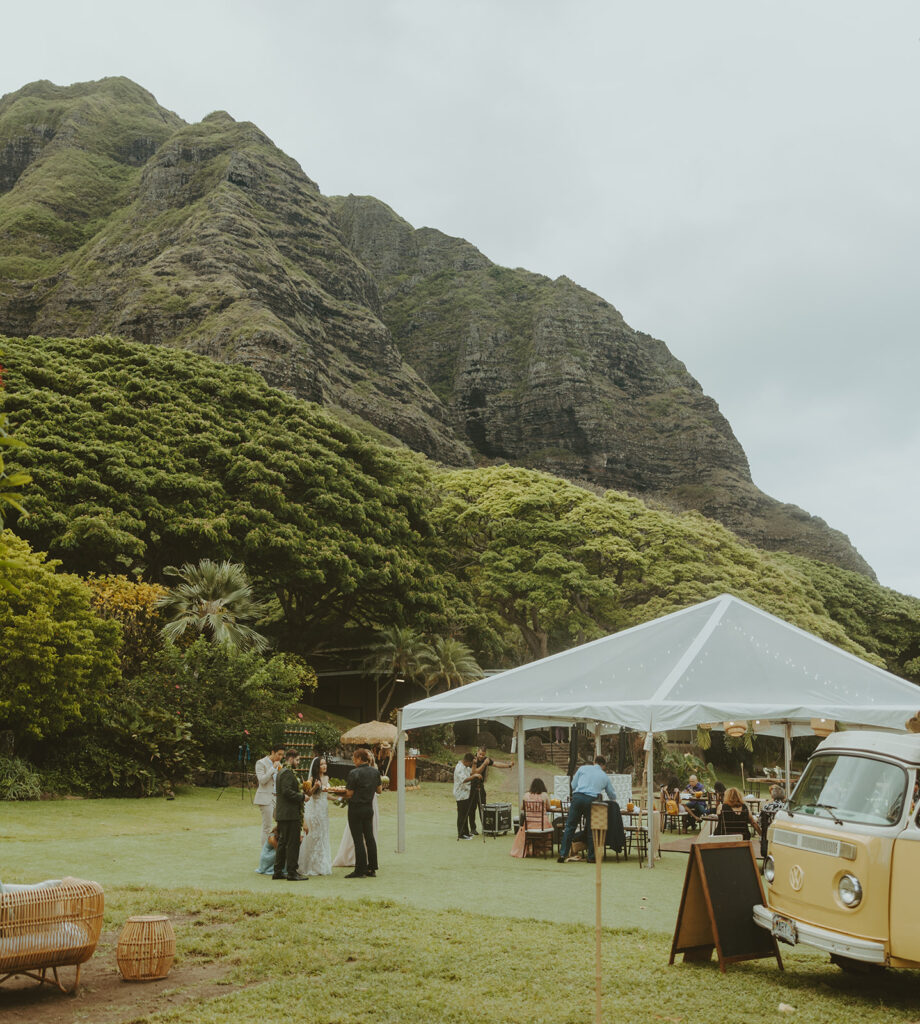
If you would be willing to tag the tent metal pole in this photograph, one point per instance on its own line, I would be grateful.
(597, 738)
(650, 796)
(400, 784)
(519, 734)
(787, 744)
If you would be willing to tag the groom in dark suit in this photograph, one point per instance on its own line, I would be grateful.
(289, 815)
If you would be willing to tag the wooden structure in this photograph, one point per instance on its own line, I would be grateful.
(146, 948)
(598, 826)
(721, 888)
(300, 737)
(46, 927)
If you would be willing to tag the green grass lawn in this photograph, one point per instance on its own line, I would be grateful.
(448, 931)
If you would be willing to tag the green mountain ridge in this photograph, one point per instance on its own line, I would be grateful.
(143, 456)
(118, 217)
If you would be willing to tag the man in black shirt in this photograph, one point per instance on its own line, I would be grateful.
(481, 764)
(362, 783)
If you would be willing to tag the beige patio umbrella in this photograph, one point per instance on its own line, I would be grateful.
(370, 733)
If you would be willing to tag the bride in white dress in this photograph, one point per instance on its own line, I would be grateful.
(315, 857)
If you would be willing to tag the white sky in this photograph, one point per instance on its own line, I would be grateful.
(740, 179)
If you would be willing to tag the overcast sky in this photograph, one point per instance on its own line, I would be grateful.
(740, 179)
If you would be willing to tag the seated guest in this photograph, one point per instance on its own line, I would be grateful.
(537, 792)
(734, 816)
(696, 804)
(718, 793)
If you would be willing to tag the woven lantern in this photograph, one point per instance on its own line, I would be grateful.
(823, 726)
(913, 724)
(735, 729)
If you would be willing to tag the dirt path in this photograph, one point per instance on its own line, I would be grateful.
(103, 997)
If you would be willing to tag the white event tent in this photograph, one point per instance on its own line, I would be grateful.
(720, 662)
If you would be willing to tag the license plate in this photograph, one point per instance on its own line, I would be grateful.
(784, 930)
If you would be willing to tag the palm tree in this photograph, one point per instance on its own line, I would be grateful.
(215, 598)
(449, 662)
(395, 656)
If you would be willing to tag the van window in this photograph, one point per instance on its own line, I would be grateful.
(850, 788)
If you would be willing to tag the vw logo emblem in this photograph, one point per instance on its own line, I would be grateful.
(796, 877)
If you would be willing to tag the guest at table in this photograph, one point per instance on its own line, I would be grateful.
(537, 792)
(734, 816)
(696, 803)
(589, 782)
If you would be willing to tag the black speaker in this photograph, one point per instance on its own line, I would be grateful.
(496, 819)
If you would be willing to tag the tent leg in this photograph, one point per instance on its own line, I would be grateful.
(787, 744)
(519, 735)
(597, 738)
(650, 796)
(400, 784)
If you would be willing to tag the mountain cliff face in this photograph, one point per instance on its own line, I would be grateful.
(205, 237)
(117, 216)
(546, 374)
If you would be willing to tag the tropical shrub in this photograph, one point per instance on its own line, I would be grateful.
(18, 780)
(58, 660)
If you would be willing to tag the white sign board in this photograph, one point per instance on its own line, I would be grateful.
(622, 786)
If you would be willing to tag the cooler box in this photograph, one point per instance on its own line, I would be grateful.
(496, 819)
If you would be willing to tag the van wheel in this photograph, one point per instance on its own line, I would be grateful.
(851, 966)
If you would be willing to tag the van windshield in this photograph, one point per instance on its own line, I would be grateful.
(850, 788)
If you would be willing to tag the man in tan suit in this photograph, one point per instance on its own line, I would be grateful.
(266, 770)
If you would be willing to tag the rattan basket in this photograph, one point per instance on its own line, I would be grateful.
(146, 948)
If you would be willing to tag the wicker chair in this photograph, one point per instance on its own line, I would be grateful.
(49, 926)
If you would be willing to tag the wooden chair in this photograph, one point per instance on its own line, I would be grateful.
(46, 927)
(672, 816)
(636, 839)
(538, 830)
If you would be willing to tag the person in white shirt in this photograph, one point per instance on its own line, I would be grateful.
(266, 770)
(462, 778)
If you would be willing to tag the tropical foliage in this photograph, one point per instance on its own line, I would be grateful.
(58, 660)
(445, 663)
(144, 458)
(214, 599)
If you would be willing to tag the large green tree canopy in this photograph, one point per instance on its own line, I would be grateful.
(144, 457)
(563, 565)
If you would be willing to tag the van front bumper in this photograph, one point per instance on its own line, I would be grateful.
(864, 950)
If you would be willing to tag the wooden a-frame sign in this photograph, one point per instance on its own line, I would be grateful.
(721, 888)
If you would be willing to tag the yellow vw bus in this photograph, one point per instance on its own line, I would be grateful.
(843, 863)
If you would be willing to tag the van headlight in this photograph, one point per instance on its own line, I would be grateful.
(769, 869)
(850, 891)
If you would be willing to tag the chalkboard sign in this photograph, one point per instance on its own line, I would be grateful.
(721, 888)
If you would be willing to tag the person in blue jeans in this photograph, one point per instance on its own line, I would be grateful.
(587, 785)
